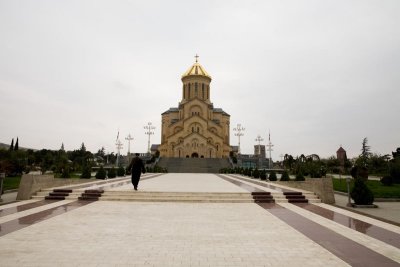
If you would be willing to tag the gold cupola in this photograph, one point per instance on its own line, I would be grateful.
(196, 83)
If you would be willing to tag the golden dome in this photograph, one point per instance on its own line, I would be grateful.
(197, 70)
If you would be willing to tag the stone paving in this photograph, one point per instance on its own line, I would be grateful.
(119, 233)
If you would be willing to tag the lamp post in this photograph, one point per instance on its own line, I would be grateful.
(239, 132)
(270, 145)
(119, 147)
(259, 140)
(129, 138)
(149, 128)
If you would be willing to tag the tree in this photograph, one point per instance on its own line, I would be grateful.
(256, 173)
(288, 161)
(111, 173)
(101, 173)
(361, 194)
(12, 145)
(101, 152)
(365, 150)
(16, 147)
(396, 154)
(394, 170)
(285, 176)
(362, 160)
(83, 148)
(272, 176)
(86, 172)
(62, 147)
(121, 171)
(263, 175)
(300, 176)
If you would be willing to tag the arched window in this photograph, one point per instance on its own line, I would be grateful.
(195, 89)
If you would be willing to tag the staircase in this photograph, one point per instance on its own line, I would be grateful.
(191, 197)
(193, 165)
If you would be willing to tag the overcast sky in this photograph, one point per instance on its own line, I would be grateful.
(318, 74)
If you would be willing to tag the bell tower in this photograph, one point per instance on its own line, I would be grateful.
(196, 83)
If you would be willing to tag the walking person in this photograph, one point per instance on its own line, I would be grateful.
(136, 167)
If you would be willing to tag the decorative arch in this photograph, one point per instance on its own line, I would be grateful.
(195, 110)
(195, 127)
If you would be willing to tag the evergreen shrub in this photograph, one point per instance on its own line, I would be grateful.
(101, 173)
(86, 172)
(300, 177)
(121, 171)
(256, 173)
(263, 175)
(285, 176)
(360, 193)
(272, 176)
(112, 173)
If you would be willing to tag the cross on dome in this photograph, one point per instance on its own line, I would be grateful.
(197, 57)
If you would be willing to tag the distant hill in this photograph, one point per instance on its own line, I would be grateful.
(7, 146)
(4, 146)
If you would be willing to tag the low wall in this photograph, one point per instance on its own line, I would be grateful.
(31, 184)
(322, 187)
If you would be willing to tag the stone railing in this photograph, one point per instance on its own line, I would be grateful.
(322, 187)
(31, 184)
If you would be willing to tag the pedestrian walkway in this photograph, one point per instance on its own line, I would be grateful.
(73, 232)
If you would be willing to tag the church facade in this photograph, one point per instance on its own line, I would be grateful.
(195, 128)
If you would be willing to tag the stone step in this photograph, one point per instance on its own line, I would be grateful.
(193, 200)
(62, 190)
(155, 193)
(55, 197)
(259, 197)
(58, 194)
(180, 196)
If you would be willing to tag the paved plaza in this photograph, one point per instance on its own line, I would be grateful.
(128, 232)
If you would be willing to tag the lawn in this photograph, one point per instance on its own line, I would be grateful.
(11, 183)
(379, 190)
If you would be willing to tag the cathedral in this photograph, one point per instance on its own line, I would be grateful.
(195, 128)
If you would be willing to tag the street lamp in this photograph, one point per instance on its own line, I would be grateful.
(239, 129)
(259, 140)
(270, 145)
(149, 127)
(129, 138)
(119, 147)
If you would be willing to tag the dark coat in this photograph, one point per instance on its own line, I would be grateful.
(137, 166)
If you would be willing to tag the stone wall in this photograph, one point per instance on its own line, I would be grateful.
(31, 184)
(322, 187)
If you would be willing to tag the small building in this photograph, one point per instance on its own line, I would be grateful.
(341, 155)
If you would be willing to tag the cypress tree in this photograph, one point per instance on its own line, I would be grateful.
(12, 145)
(16, 145)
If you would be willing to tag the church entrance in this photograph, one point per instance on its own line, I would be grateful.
(195, 155)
